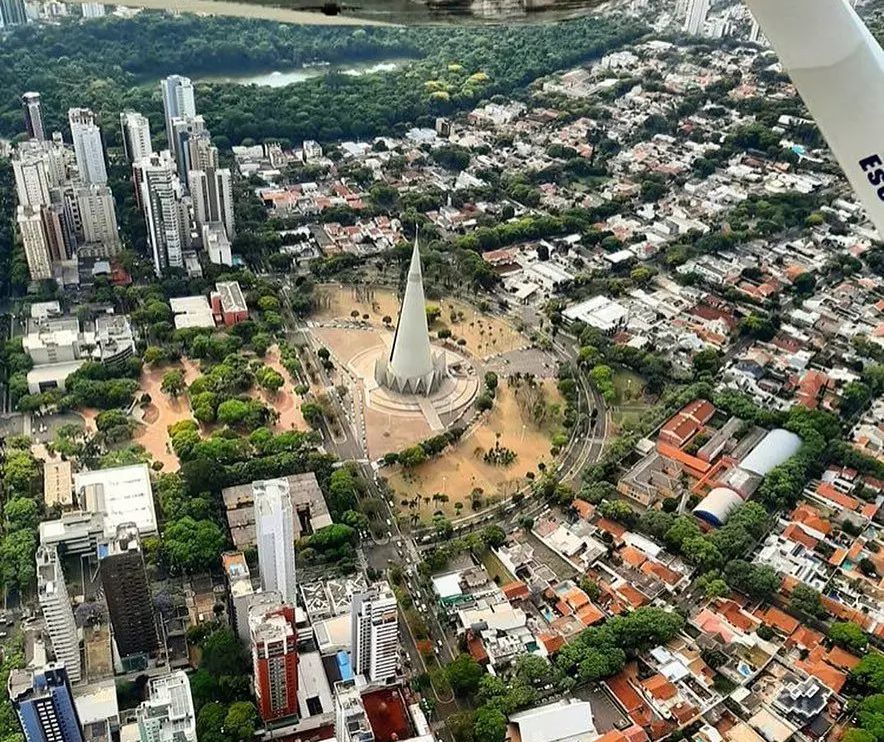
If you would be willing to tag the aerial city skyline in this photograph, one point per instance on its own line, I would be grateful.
(457, 382)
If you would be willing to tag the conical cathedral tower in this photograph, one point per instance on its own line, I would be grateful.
(412, 367)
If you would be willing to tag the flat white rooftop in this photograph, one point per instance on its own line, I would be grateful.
(192, 311)
(123, 494)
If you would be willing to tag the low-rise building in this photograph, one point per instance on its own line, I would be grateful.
(600, 312)
(123, 494)
(231, 302)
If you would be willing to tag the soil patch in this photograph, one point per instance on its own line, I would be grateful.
(462, 469)
(484, 334)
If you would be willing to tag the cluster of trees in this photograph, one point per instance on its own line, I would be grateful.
(15, 364)
(597, 349)
(747, 524)
(21, 480)
(534, 227)
(333, 545)
(227, 458)
(13, 659)
(192, 535)
(416, 455)
(92, 385)
(485, 400)
(14, 273)
(857, 395)
(63, 61)
(570, 391)
(866, 689)
(220, 393)
(601, 652)
(602, 378)
(220, 686)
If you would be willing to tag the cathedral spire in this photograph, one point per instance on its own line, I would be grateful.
(412, 367)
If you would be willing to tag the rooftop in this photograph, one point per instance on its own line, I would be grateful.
(122, 493)
(57, 483)
(388, 715)
(558, 722)
(192, 311)
(232, 299)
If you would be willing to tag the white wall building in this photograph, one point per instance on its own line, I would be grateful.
(30, 224)
(274, 529)
(57, 612)
(33, 115)
(31, 177)
(695, 16)
(351, 721)
(375, 639)
(600, 312)
(216, 244)
(99, 220)
(136, 136)
(212, 194)
(177, 101)
(168, 222)
(168, 715)
(88, 146)
(187, 133)
(92, 10)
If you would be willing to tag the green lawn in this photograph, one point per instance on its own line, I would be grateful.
(629, 388)
(629, 406)
(495, 569)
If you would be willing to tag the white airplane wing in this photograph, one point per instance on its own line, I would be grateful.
(838, 68)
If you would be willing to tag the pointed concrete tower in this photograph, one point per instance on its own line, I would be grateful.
(412, 368)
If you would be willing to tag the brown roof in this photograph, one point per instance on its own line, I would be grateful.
(636, 599)
(805, 638)
(387, 715)
(476, 648)
(670, 577)
(584, 509)
(660, 688)
(615, 735)
(783, 622)
(517, 590)
(632, 556)
(552, 642)
(736, 617)
(636, 734)
(684, 712)
(590, 615)
(685, 423)
(825, 673)
(615, 529)
(811, 517)
(840, 658)
(796, 533)
(627, 696)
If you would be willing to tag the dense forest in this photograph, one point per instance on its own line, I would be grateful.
(112, 64)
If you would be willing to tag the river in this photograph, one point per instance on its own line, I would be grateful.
(281, 78)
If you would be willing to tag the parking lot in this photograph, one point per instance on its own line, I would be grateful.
(606, 715)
